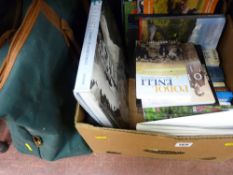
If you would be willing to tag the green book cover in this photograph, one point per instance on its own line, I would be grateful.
(161, 113)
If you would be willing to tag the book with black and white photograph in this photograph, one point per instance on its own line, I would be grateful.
(204, 30)
(101, 84)
(171, 74)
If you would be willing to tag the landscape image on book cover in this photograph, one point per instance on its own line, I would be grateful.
(204, 30)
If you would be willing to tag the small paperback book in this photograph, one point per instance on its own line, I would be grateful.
(171, 74)
(100, 84)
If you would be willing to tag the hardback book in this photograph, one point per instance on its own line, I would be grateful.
(171, 74)
(217, 76)
(216, 73)
(100, 83)
(204, 30)
(176, 6)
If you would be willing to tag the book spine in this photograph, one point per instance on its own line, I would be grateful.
(86, 62)
(211, 57)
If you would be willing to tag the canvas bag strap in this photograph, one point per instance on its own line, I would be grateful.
(23, 32)
(62, 25)
(18, 41)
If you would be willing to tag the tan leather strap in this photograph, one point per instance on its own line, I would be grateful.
(61, 25)
(19, 40)
(24, 31)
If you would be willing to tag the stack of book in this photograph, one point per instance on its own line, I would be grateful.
(177, 68)
(216, 73)
(171, 52)
(170, 66)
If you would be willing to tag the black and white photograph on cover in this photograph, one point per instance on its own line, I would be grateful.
(159, 52)
(170, 53)
(196, 71)
(106, 80)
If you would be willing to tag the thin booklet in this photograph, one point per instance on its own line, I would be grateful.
(101, 84)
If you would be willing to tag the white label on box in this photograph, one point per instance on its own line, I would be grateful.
(183, 144)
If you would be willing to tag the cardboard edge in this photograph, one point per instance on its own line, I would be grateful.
(80, 126)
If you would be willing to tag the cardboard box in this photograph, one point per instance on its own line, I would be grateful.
(146, 144)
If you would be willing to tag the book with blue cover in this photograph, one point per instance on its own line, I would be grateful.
(216, 73)
(225, 96)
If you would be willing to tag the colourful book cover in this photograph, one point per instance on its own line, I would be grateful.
(176, 6)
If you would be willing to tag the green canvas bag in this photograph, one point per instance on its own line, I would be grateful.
(37, 73)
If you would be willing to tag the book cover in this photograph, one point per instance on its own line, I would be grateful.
(171, 74)
(100, 83)
(176, 6)
(204, 30)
